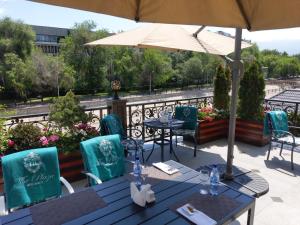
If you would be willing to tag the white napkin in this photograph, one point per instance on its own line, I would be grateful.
(165, 168)
(143, 196)
(197, 217)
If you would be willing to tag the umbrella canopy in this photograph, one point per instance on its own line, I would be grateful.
(172, 37)
(250, 14)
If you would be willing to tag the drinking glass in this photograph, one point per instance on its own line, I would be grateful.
(204, 178)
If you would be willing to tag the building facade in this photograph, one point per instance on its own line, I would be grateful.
(48, 38)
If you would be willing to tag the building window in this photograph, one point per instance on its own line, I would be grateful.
(46, 38)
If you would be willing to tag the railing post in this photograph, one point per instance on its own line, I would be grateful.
(296, 112)
(118, 107)
(143, 118)
(130, 120)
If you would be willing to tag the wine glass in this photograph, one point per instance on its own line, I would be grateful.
(204, 177)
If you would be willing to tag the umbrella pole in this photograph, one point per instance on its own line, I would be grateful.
(233, 105)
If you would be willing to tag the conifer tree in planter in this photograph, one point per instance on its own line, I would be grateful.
(250, 109)
(222, 85)
(213, 129)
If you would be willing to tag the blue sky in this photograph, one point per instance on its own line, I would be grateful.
(46, 15)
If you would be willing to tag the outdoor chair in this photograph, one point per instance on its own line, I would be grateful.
(32, 176)
(190, 127)
(276, 125)
(103, 158)
(111, 124)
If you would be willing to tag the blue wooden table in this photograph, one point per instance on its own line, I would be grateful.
(121, 210)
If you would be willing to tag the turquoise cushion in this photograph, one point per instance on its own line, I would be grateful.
(31, 176)
(187, 114)
(111, 124)
(103, 156)
(279, 121)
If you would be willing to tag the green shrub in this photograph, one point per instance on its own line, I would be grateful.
(25, 136)
(66, 112)
(252, 94)
(222, 85)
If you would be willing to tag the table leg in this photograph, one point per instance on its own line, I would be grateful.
(171, 146)
(162, 139)
(250, 220)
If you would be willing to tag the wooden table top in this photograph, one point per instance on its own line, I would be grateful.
(121, 210)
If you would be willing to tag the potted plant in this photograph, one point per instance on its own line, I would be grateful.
(249, 126)
(213, 122)
(69, 125)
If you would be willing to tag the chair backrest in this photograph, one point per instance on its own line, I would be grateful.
(111, 124)
(187, 114)
(103, 156)
(276, 120)
(31, 176)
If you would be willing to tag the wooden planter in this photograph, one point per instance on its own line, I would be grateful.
(210, 131)
(251, 132)
(70, 165)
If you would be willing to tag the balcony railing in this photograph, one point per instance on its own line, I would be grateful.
(140, 111)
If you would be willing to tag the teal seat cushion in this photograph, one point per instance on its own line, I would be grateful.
(279, 121)
(31, 176)
(103, 156)
(187, 114)
(111, 124)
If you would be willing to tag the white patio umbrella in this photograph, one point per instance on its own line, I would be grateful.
(250, 14)
(172, 37)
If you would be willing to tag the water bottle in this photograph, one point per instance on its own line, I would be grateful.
(137, 171)
(214, 180)
(169, 117)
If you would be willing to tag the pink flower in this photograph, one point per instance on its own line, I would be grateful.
(44, 141)
(53, 138)
(10, 143)
(82, 126)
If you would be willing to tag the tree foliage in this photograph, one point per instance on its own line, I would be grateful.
(222, 85)
(52, 74)
(15, 37)
(252, 93)
(89, 63)
(66, 111)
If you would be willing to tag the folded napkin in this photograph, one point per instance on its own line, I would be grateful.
(195, 216)
(165, 168)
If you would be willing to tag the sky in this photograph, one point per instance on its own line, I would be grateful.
(45, 15)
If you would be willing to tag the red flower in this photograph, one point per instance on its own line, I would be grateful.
(10, 143)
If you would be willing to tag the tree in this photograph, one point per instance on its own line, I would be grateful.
(252, 93)
(126, 66)
(156, 68)
(17, 75)
(222, 85)
(15, 37)
(192, 70)
(89, 64)
(67, 112)
(52, 74)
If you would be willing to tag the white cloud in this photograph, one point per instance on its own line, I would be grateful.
(1, 11)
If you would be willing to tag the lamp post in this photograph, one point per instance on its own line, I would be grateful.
(116, 86)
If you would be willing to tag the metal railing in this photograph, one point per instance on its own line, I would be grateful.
(138, 112)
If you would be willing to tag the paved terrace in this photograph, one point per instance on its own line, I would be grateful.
(280, 206)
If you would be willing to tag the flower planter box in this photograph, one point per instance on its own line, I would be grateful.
(70, 165)
(211, 131)
(251, 132)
